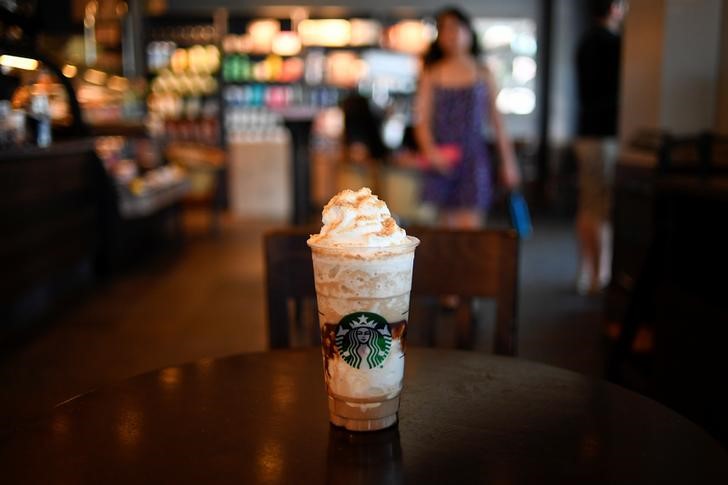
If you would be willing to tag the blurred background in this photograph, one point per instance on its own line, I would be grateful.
(147, 145)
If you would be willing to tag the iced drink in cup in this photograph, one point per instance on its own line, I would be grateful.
(362, 264)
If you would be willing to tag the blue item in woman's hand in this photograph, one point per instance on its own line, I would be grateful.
(519, 214)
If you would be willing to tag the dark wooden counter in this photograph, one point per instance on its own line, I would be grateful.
(32, 152)
(261, 418)
(49, 220)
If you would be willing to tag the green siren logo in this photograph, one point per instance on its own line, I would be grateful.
(363, 340)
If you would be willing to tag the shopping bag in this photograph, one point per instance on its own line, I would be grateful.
(519, 214)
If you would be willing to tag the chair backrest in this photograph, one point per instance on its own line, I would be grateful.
(448, 262)
(703, 154)
(288, 279)
(719, 153)
(471, 263)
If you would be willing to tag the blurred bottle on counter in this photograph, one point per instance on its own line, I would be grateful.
(12, 125)
(245, 68)
(274, 69)
(41, 119)
(237, 68)
(133, 100)
(5, 133)
(254, 124)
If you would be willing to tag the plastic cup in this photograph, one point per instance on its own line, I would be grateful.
(363, 296)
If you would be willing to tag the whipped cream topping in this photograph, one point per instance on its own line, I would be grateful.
(358, 219)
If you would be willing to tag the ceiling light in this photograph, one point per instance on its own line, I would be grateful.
(19, 62)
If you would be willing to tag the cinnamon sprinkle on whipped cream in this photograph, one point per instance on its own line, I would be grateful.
(357, 219)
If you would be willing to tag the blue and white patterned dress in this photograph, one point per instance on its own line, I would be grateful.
(459, 115)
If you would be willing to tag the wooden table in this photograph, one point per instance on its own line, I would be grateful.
(261, 418)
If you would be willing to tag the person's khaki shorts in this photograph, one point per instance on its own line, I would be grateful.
(597, 159)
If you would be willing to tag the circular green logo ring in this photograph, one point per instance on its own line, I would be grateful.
(363, 340)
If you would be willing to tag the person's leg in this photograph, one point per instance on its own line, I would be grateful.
(587, 228)
(596, 261)
(605, 259)
(609, 154)
(597, 167)
(588, 225)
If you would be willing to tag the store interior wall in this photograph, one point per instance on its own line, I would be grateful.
(721, 121)
(674, 73)
(690, 65)
(641, 68)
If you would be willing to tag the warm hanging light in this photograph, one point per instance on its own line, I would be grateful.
(179, 60)
(18, 62)
(344, 68)
(325, 32)
(69, 70)
(262, 33)
(118, 83)
(229, 43)
(365, 32)
(89, 32)
(297, 15)
(212, 58)
(196, 59)
(286, 44)
(293, 68)
(244, 43)
(410, 36)
(95, 77)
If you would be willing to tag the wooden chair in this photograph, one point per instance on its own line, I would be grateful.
(468, 264)
(289, 283)
(471, 264)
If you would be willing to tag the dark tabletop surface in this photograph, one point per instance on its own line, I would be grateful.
(465, 417)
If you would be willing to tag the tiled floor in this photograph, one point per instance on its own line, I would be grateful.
(206, 300)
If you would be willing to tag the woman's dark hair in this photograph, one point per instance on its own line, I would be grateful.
(434, 53)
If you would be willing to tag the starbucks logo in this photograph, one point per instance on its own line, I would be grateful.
(363, 340)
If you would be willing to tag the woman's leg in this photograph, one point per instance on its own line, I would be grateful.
(589, 232)
(588, 220)
(605, 261)
(609, 154)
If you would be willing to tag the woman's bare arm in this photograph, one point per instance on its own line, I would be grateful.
(509, 171)
(423, 121)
